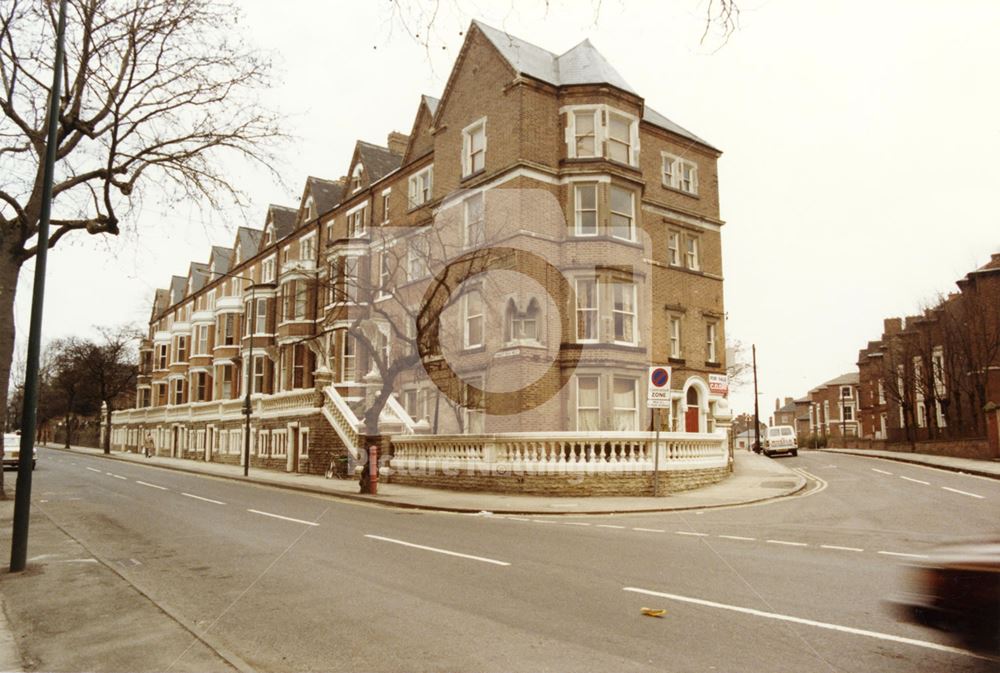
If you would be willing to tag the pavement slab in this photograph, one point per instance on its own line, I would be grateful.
(70, 611)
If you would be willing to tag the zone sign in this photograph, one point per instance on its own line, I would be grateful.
(658, 387)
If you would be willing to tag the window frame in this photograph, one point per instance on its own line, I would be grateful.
(590, 311)
(692, 253)
(612, 213)
(420, 185)
(474, 229)
(578, 210)
(711, 342)
(674, 332)
(468, 318)
(632, 315)
(469, 150)
(596, 409)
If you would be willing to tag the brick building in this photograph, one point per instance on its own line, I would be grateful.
(784, 413)
(833, 409)
(932, 381)
(323, 308)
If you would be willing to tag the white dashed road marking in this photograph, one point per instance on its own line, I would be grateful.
(575, 523)
(649, 530)
(737, 537)
(790, 544)
(900, 554)
(955, 490)
(93, 470)
(688, 532)
(839, 548)
(875, 469)
(805, 622)
(162, 488)
(116, 476)
(198, 497)
(915, 481)
(439, 551)
(284, 518)
(609, 525)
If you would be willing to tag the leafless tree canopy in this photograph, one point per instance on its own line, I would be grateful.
(154, 91)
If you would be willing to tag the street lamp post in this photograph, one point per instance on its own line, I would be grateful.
(251, 326)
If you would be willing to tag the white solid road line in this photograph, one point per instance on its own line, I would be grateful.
(688, 532)
(915, 481)
(955, 490)
(198, 497)
(839, 548)
(145, 483)
(875, 469)
(439, 551)
(93, 470)
(284, 518)
(790, 544)
(737, 537)
(806, 622)
(900, 554)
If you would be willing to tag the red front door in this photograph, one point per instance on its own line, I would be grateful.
(691, 420)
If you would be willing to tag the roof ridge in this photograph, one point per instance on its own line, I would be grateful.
(510, 35)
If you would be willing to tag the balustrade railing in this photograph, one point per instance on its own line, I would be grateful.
(561, 451)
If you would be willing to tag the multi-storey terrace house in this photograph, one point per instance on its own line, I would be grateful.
(511, 266)
(932, 381)
(833, 408)
(784, 413)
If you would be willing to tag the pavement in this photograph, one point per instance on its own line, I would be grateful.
(755, 478)
(982, 468)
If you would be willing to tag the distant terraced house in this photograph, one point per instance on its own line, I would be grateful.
(482, 297)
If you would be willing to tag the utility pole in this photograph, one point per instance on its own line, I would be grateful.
(22, 495)
(756, 411)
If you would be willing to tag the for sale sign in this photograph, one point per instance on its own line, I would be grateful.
(658, 387)
(718, 384)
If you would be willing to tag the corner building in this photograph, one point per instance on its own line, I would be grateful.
(556, 155)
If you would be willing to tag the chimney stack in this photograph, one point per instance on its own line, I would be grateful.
(396, 142)
(892, 325)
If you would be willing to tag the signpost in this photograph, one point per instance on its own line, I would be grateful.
(657, 397)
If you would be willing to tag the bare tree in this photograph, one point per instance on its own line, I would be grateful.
(156, 94)
(110, 366)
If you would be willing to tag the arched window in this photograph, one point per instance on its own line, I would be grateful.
(521, 325)
(356, 178)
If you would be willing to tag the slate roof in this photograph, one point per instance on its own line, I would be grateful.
(790, 407)
(249, 241)
(161, 300)
(378, 161)
(177, 285)
(285, 218)
(221, 258)
(431, 102)
(198, 273)
(582, 64)
(326, 194)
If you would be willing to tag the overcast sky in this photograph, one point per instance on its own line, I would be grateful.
(859, 177)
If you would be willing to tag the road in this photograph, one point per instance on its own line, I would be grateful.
(291, 581)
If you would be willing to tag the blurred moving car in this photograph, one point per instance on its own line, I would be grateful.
(12, 450)
(957, 590)
(781, 439)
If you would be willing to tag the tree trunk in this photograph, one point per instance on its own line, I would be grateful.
(66, 422)
(9, 271)
(107, 428)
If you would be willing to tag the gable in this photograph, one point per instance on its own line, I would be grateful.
(421, 141)
(477, 52)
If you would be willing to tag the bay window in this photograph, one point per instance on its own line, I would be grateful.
(587, 309)
(473, 304)
(585, 209)
(626, 411)
(588, 403)
(623, 311)
(622, 214)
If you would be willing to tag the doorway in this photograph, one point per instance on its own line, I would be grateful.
(174, 444)
(692, 419)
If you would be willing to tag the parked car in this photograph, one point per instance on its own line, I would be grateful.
(12, 450)
(957, 590)
(781, 439)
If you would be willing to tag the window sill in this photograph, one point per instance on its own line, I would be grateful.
(474, 174)
(713, 365)
(677, 190)
(677, 361)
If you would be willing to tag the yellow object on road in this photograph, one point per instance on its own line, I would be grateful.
(653, 612)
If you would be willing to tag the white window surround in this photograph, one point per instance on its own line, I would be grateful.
(680, 174)
(625, 404)
(588, 402)
(421, 186)
(623, 312)
(385, 204)
(711, 338)
(675, 337)
(474, 320)
(267, 269)
(692, 258)
(474, 219)
(588, 314)
(474, 147)
(617, 214)
(674, 248)
(307, 247)
(585, 204)
(602, 117)
(356, 178)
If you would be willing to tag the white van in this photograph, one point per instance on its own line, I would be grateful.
(781, 439)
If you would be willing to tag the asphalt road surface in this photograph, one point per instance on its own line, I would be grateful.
(290, 581)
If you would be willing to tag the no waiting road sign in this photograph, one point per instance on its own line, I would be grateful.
(658, 387)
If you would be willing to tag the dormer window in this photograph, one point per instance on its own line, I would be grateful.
(309, 210)
(269, 234)
(356, 178)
